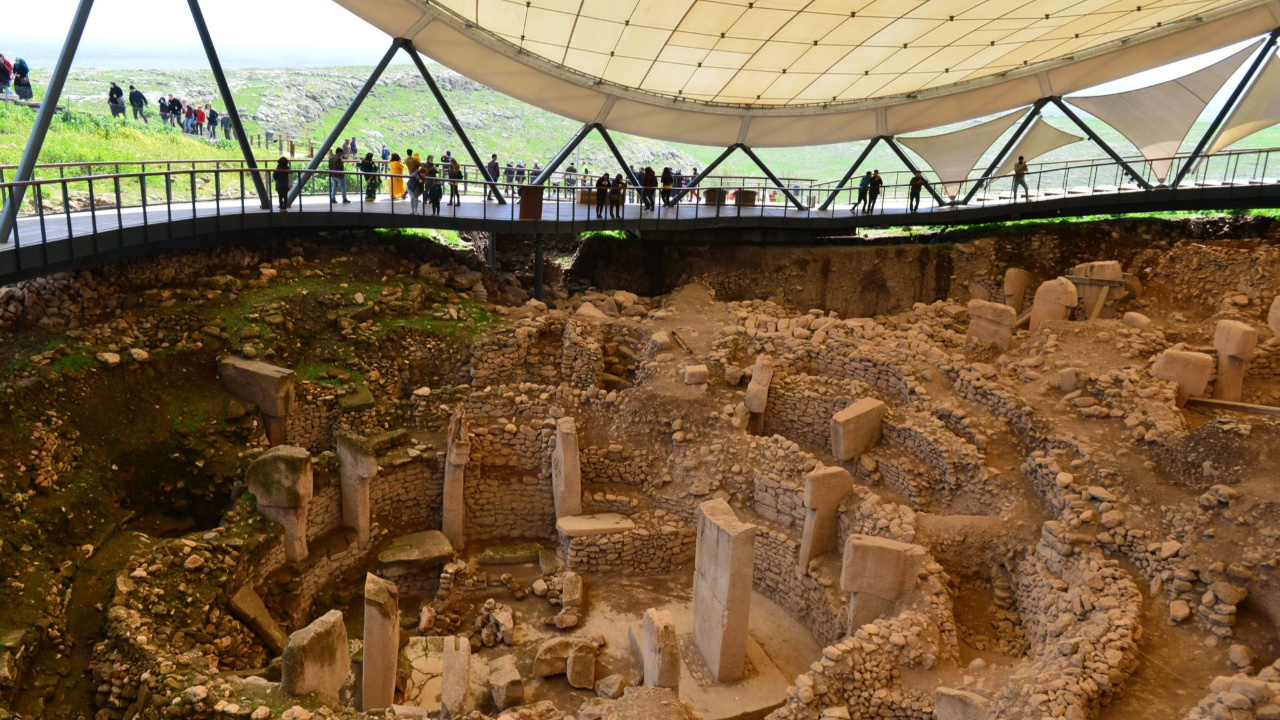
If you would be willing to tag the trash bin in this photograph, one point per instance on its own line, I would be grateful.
(530, 202)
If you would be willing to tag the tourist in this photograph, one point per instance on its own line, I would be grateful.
(337, 178)
(492, 171)
(667, 180)
(873, 191)
(519, 172)
(411, 161)
(396, 171)
(21, 79)
(212, 118)
(346, 147)
(371, 181)
(138, 102)
(225, 120)
(570, 177)
(1020, 178)
(355, 149)
(386, 153)
(6, 75)
(603, 185)
(509, 174)
(864, 184)
(417, 185)
(163, 106)
(435, 190)
(917, 184)
(677, 182)
(648, 195)
(616, 193)
(115, 100)
(633, 192)
(200, 118)
(455, 174)
(535, 171)
(175, 111)
(281, 176)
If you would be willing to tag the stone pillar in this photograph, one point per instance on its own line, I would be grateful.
(1190, 370)
(991, 323)
(1055, 300)
(758, 392)
(824, 488)
(357, 467)
(1273, 316)
(1016, 282)
(453, 501)
(566, 470)
(659, 649)
(1090, 294)
(723, 567)
(316, 660)
(381, 642)
(280, 480)
(877, 571)
(856, 429)
(270, 387)
(455, 684)
(1235, 342)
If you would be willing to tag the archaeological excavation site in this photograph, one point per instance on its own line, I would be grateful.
(1027, 471)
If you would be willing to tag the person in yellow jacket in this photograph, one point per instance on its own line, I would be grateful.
(397, 171)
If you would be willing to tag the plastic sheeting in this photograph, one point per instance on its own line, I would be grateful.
(1258, 110)
(1040, 139)
(953, 155)
(1157, 118)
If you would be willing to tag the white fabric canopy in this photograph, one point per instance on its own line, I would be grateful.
(1157, 118)
(1258, 110)
(954, 155)
(1040, 139)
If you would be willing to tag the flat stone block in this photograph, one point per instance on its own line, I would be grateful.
(856, 429)
(268, 386)
(880, 566)
(600, 524)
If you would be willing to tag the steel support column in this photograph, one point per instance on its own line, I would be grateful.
(225, 90)
(48, 106)
(563, 155)
(608, 140)
(912, 167)
(336, 133)
(453, 120)
(1004, 151)
(853, 169)
(705, 172)
(1227, 107)
(772, 178)
(1071, 115)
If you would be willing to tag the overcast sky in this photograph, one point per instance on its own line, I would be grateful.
(265, 33)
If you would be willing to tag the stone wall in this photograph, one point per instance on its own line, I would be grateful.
(800, 407)
(660, 543)
(505, 502)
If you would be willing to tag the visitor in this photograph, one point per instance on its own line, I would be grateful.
(21, 79)
(1020, 178)
(386, 153)
(225, 120)
(434, 189)
(138, 102)
(603, 185)
(417, 186)
(535, 172)
(519, 172)
(346, 147)
(667, 179)
(115, 100)
(917, 184)
(163, 106)
(455, 174)
(212, 118)
(396, 171)
(281, 176)
(6, 75)
(864, 184)
(175, 111)
(570, 177)
(188, 118)
(509, 174)
(411, 161)
(492, 171)
(650, 181)
(371, 180)
(873, 191)
(201, 114)
(693, 188)
(616, 193)
(336, 178)
(633, 193)
(677, 182)
(355, 149)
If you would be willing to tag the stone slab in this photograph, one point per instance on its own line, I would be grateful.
(249, 608)
(316, 659)
(598, 524)
(856, 429)
(880, 566)
(421, 550)
(268, 386)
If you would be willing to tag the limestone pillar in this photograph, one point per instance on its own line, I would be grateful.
(1273, 316)
(824, 489)
(316, 660)
(268, 386)
(758, 392)
(281, 482)
(453, 502)
(357, 467)
(566, 470)
(1016, 282)
(1055, 300)
(659, 649)
(876, 572)
(856, 429)
(991, 323)
(455, 684)
(381, 642)
(723, 567)
(1191, 371)
(1091, 294)
(1235, 342)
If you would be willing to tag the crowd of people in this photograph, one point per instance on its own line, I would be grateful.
(192, 117)
(15, 78)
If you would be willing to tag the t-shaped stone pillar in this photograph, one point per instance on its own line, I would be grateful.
(723, 567)
(991, 323)
(566, 470)
(453, 501)
(1273, 316)
(268, 386)
(1016, 282)
(316, 660)
(1055, 300)
(824, 488)
(456, 697)
(357, 467)
(1235, 343)
(659, 649)
(1191, 372)
(281, 482)
(877, 571)
(758, 392)
(381, 642)
(856, 429)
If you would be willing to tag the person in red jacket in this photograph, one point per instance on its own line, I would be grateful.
(199, 120)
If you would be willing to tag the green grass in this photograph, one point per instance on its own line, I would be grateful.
(472, 319)
(81, 359)
(316, 371)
